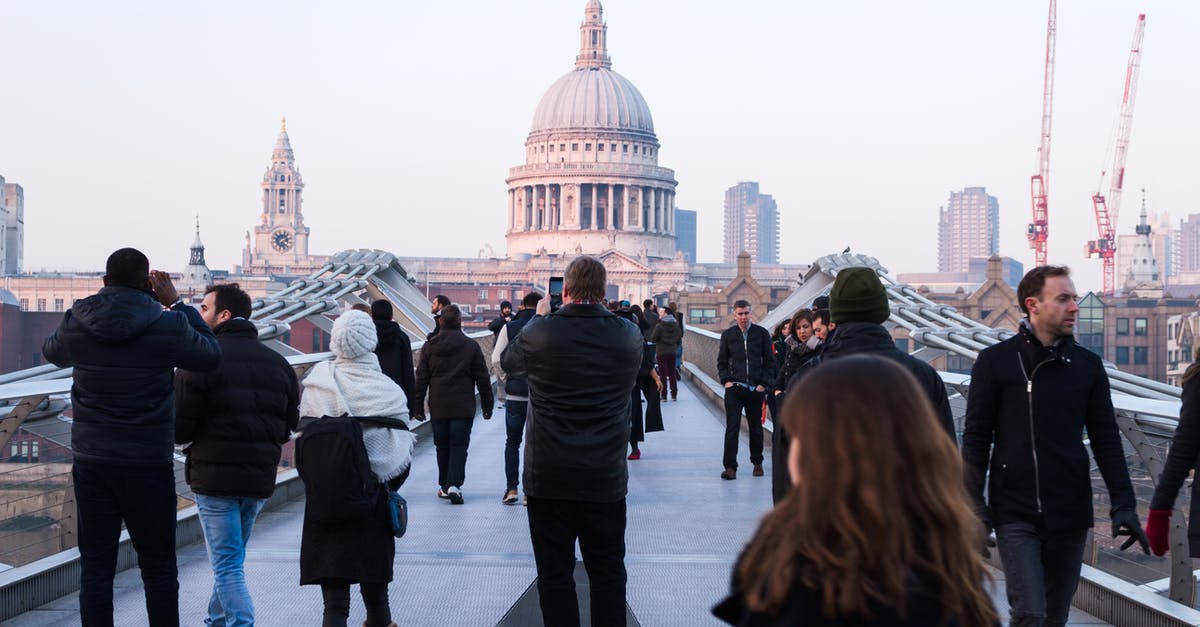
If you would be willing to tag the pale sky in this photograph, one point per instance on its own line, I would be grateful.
(123, 120)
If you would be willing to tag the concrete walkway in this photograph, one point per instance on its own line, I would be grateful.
(467, 565)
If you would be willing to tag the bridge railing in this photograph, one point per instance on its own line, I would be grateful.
(37, 501)
(1147, 425)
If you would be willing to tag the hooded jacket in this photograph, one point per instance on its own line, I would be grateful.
(124, 348)
(236, 417)
(452, 367)
(1027, 410)
(667, 336)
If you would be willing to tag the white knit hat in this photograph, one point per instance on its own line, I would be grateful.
(353, 335)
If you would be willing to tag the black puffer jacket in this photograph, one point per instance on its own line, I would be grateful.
(394, 352)
(667, 336)
(1027, 411)
(746, 357)
(581, 363)
(124, 349)
(1182, 459)
(452, 367)
(236, 417)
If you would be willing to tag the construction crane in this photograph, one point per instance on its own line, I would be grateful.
(1039, 228)
(1108, 207)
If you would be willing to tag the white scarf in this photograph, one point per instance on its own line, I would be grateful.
(356, 387)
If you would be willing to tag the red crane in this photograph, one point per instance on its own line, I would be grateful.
(1038, 229)
(1108, 208)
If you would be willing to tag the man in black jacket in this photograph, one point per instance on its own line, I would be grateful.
(516, 398)
(1032, 397)
(439, 302)
(858, 306)
(746, 364)
(124, 349)
(505, 316)
(452, 368)
(580, 363)
(394, 351)
(236, 419)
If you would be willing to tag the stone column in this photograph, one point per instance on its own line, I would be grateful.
(654, 224)
(537, 217)
(612, 210)
(625, 206)
(670, 202)
(510, 210)
(595, 210)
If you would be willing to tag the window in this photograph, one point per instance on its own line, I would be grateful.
(1141, 355)
(702, 315)
(1140, 327)
(1122, 326)
(635, 149)
(551, 147)
(24, 304)
(58, 304)
(543, 149)
(502, 294)
(587, 147)
(41, 304)
(562, 147)
(624, 147)
(483, 294)
(600, 147)
(574, 146)
(1122, 355)
(612, 147)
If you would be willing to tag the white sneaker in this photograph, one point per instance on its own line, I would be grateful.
(442, 494)
(455, 495)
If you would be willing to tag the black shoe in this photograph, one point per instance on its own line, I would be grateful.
(455, 495)
(729, 474)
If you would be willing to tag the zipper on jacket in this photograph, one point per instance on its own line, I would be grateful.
(746, 351)
(1037, 478)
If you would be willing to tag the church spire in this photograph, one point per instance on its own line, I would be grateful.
(282, 155)
(593, 39)
(197, 257)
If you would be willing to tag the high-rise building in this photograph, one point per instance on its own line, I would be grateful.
(1189, 243)
(12, 221)
(969, 226)
(751, 224)
(685, 234)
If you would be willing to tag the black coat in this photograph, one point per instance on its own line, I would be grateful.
(746, 358)
(514, 386)
(667, 336)
(395, 355)
(236, 417)
(1027, 432)
(1182, 459)
(125, 349)
(495, 326)
(452, 367)
(581, 364)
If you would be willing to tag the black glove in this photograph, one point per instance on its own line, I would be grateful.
(1125, 523)
(417, 417)
(487, 414)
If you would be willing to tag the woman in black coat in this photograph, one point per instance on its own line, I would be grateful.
(1182, 458)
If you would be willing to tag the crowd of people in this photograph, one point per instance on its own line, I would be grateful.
(878, 517)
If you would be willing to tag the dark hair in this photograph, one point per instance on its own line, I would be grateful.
(879, 500)
(451, 317)
(531, 300)
(381, 309)
(1192, 369)
(442, 300)
(230, 297)
(739, 303)
(779, 328)
(802, 314)
(585, 279)
(822, 315)
(1032, 283)
(505, 305)
(363, 307)
(647, 304)
(127, 267)
(670, 312)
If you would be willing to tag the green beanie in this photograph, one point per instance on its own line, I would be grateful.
(858, 296)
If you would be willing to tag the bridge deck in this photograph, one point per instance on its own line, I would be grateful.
(467, 565)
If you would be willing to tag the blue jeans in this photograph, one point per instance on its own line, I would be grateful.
(227, 521)
(514, 425)
(1041, 572)
(144, 498)
(451, 437)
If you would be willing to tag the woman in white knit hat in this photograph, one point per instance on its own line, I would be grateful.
(360, 551)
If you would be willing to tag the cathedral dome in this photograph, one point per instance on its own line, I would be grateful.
(593, 98)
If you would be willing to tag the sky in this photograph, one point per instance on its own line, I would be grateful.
(124, 120)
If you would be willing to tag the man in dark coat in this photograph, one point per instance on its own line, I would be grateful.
(1032, 397)
(667, 338)
(506, 314)
(439, 302)
(580, 363)
(516, 398)
(452, 368)
(236, 419)
(746, 365)
(394, 351)
(650, 311)
(124, 349)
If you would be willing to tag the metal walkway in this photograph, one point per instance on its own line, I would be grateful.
(467, 565)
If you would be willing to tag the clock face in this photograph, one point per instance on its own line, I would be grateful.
(281, 240)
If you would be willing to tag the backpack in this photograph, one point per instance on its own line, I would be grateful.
(332, 461)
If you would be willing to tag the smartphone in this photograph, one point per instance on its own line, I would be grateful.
(555, 292)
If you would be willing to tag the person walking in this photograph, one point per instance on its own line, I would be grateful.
(360, 550)
(394, 350)
(650, 385)
(666, 337)
(451, 369)
(124, 349)
(650, 312)
(1181, 459)
(439, 302)
(516, 401)
(746, 366)
(580, 363)
(1032, 398)
(234, 421)
(854, 546)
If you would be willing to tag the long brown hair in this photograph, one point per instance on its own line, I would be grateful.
(1192, 369)
(879, 499)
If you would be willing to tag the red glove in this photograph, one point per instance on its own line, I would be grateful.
(1158, 527)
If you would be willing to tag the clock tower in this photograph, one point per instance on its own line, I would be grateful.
(279, 244)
